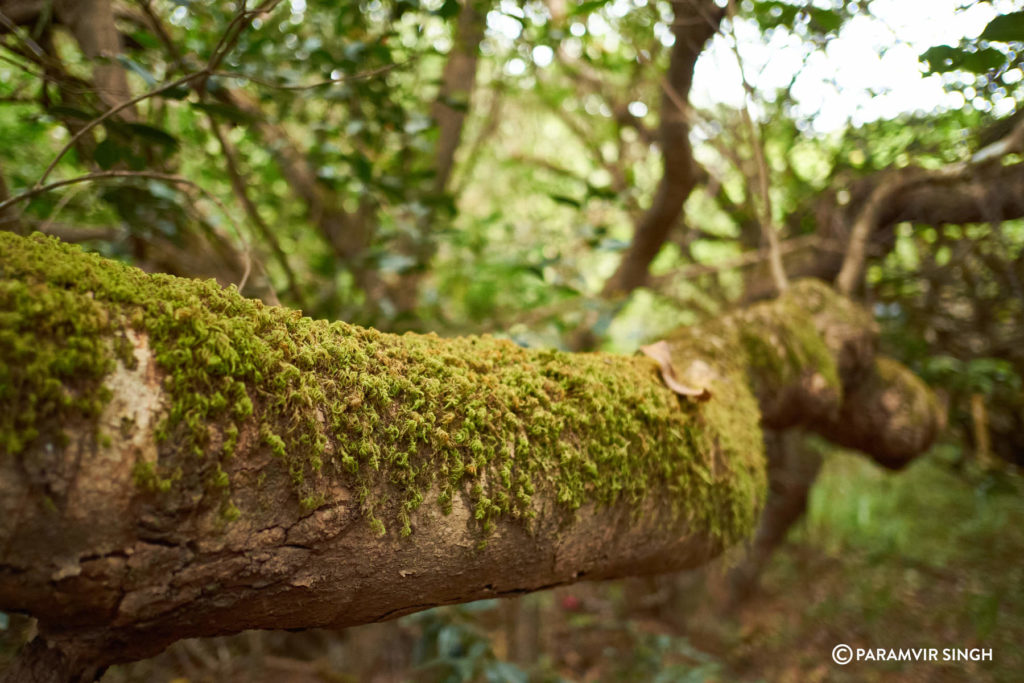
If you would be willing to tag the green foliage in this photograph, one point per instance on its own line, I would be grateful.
(976, 376)
(1006, 28)
(943, 59)
(452, 648)
(663, 658)
(922, 530)
(955, 331)
(985, 68)
(771, 14)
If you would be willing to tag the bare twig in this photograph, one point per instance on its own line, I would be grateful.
(748, 258)
(63, 202)
(8, 218)
(764, 207)
(486, 132)
(233, 32)
(153, 22)
(81, 233)
(238, 186)
(15, 63)
(111, 112)
(311, 86)
(13, 28)
(66, 82)
(867, 219)
(224, 45)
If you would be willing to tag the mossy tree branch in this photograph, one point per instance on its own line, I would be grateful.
(178, 461)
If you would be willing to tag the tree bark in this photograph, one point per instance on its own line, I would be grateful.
(177, 461)
(449, 110)
(9, 218)
(792, 470)
(457, 83)
(985, 192)
(92, 24)
(694, 22)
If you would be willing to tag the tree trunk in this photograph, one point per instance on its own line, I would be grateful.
(178, 461)
(449, 111)
(92, 24)
(792, 469)
(694, 22)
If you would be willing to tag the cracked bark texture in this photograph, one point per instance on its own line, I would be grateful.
(116, 571)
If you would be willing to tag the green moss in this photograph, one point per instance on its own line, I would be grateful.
(312, 501)
(920, 406)
(220, 479)
(126, 427)
(54, 353)
(781, 344)
(146, 478)
(392, 415)
(276, 443)
(230, 441)
(230, 512)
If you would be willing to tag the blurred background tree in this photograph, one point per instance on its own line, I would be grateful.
(582, 175)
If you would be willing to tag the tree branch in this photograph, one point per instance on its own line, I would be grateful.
(694, 23)
(226, 42)
(238, 185)
(763, 192)
(956, 194)
(109, 113)
(219, 465)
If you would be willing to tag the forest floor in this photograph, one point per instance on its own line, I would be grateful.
(929, 558)
(932, 557)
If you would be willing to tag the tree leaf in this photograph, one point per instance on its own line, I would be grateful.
(132, 65)
(1006, 28)
(145, 39)
(153, 134)
(65, 112)
(588, 7)
(449, 9)
(458, 103)
(178, 93)
(825, 20)
(568, 201)
(660, 353)
(224, 111)
(943, 58)
(108, 153)
(362, 166)
(774, 14)
(601, 192)
(984, 60)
